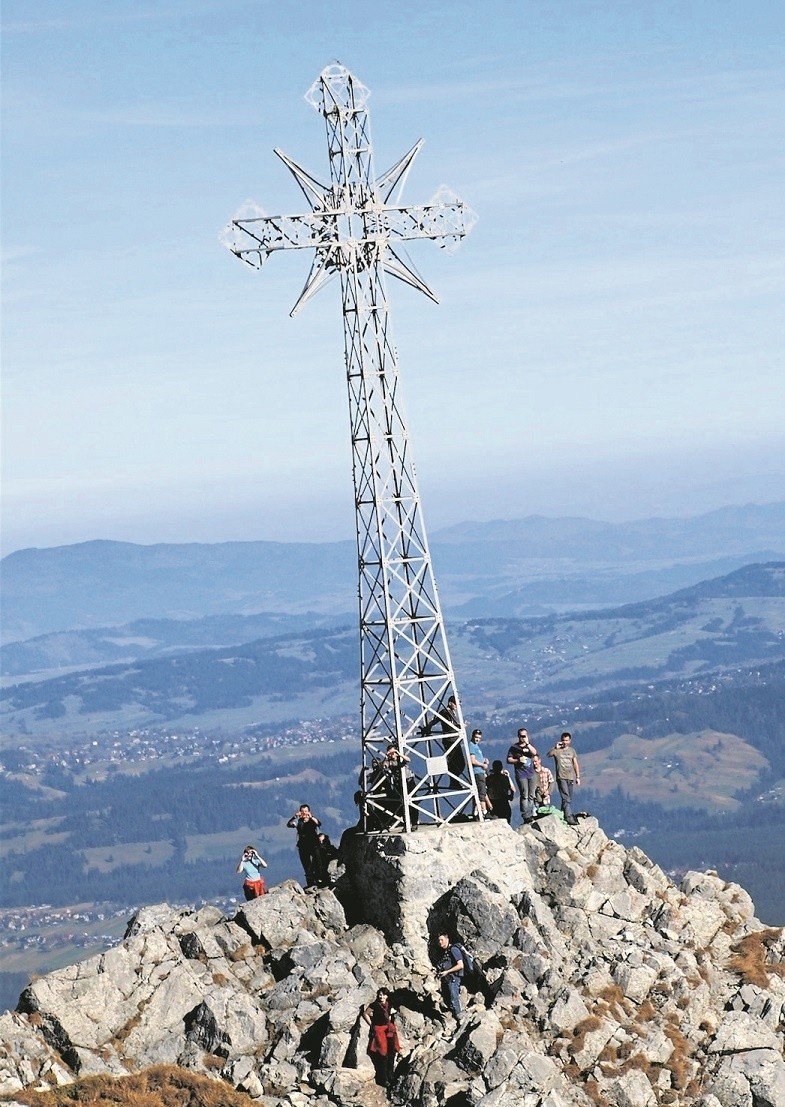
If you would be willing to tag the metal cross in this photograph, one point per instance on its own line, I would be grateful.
(408, 697)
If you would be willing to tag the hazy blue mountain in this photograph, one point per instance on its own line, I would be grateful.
(732, 530)
(735, 620)
(151, 638)
(101, 583)
(516, 567)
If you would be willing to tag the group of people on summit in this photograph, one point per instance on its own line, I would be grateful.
(313, 845)
(529, 780)
(533, 780)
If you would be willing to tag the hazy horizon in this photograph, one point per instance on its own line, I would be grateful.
(434, 529)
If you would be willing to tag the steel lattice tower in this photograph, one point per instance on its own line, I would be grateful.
(408, 695)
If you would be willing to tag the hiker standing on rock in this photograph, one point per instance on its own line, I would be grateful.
(568, 773)
(479, 766)
(308, 846)
(383, 1043)
(250, 865)
(520, 755)
(449, 969)
(500, 791)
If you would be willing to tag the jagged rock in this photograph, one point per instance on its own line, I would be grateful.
(202, 1028)
(656, 1048)
(627, 904)
(752, 1079)
(277, 919)
(400, 877)
(535, 1073)
(600, 975)
(568, 1010)
(479, 913)
(535, 909)
(643, 875)
(592, 1041)
(740, 1031)
(477, 1044)
(26, 1058)
(631, 1090)
(635, 980)
(568, 881)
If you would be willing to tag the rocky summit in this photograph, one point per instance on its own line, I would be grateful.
(601, 982)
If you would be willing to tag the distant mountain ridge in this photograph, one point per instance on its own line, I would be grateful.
(517, 567)
(735, 620)
(729, 528)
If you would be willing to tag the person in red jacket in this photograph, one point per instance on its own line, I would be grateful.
(383, 1043)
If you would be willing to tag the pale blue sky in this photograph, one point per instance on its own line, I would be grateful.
(610, 339)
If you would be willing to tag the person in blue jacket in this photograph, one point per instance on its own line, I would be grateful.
(250, 865)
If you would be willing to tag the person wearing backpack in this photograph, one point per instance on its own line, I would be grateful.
(450, 969)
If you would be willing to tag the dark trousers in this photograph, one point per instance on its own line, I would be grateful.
(313, 864)
(565, 791)
(451, 992)
(527, 787)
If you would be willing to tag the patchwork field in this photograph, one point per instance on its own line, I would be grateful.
(706, 770)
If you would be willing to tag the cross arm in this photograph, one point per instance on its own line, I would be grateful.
(251, 240)
(450, 221)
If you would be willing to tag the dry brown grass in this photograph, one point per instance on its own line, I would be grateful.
(241, 953)
(595, 1093)
(581, 1030)
(612, 994)
(749, 959)
(124, 1031)
(678, 1064)
(159, 1086)
(613, 1000)
(638, 1061)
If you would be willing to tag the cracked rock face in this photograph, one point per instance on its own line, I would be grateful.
(602, 982)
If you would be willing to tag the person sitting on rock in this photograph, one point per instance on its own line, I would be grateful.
(449, 969)
(307, 827)
(383, 1043)
(500, 791)
(250, 865)
(544, 782)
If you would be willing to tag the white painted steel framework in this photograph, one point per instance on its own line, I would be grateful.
(408, 696)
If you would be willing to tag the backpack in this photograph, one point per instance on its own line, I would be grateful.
(470, 970)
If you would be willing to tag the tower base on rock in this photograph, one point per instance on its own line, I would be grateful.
(397, 880)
